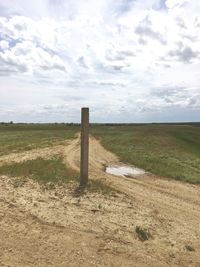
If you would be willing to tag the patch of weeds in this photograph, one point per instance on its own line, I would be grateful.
(46, 171)
(99, 206)
(50, 186)
(99, 187)
(79, 191)
(18, 182)
(189, 248)
(94, 186)
(142, 233)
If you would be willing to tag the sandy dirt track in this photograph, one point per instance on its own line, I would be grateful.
(40, 227)
(46, 153)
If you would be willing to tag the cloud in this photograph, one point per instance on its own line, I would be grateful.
(176, 96)
(11, 64)
(122, 58)
(81, 62)
(144, 30)
(4, 45)
(181, 23)
(184, 54)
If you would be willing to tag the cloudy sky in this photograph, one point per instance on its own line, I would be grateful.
(128, 60)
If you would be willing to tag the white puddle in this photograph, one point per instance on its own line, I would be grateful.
(124, 171)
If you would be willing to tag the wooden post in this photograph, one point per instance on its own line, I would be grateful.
(84, 146)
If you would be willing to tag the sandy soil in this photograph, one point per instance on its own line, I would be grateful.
(47, 152)
(40, 227)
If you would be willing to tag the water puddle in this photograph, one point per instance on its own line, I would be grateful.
(124, 171)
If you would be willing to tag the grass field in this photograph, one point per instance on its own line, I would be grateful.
(42, 170)
(24, 137)
(20, 137)
(171, 150)
(49, 172)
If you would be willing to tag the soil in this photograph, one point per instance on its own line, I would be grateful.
(47, 152)
(40, 227)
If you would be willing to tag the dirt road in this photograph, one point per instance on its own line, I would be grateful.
(41, 227)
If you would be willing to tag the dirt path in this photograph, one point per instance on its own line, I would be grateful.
(41, 227)
(152, 190)
(47, 152)
(175, 203)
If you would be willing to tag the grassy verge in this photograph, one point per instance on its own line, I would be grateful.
(42, 170)
(167, 150)
(20, 137)
(49, 172)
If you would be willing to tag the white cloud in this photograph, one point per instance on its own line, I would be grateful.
(113, 54)
(4, 45)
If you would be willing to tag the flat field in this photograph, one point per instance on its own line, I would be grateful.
(21, 137)
(170, 150)
(146, 220)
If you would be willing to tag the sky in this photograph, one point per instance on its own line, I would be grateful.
(127, 60)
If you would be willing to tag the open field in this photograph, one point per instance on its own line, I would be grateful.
(148, 220)
(20, 137)
(171, 150)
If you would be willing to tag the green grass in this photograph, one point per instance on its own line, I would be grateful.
(42, 170)
(171, 150)
(50, 172)
(20, 137)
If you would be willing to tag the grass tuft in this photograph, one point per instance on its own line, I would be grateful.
(142, 233)
(189, 248)
(99, 186)
(94, 186)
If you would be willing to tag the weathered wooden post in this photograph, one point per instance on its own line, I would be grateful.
(84, 146)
